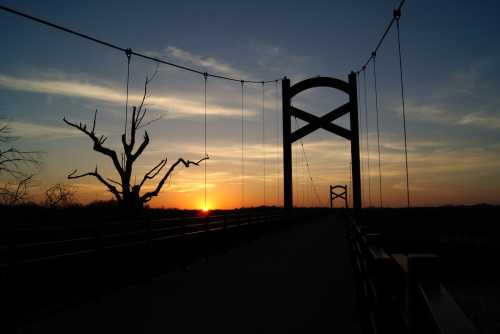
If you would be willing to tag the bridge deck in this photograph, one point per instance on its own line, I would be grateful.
(293, 280)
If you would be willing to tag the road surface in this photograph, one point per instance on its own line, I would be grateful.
(295, 280)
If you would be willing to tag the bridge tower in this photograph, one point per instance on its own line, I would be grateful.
(324, 122)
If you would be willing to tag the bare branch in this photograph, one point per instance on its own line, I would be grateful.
(115, 182)
(141, 148)
(150, 122)
(98, 144)
(14, 193)
(59, 195)
(18, 164)
(93, 123)
(5, 136)
(111, 188)
(147, 196)
(141, 111)
(153, 172)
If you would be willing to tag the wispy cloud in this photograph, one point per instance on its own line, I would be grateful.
(207, 63)
(171, 106)
(467, 97)
(481, 119)
(441, 114)
(275, 59)
(431, 112)
(34, 130)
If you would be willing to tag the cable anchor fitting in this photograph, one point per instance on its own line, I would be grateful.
(397, 14)
(128, 53)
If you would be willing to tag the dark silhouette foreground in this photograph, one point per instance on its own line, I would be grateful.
(294, 280)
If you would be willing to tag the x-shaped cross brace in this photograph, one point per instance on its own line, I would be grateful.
(342, 194)
(324, 122)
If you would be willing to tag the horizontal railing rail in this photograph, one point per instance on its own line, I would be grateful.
(19, 252)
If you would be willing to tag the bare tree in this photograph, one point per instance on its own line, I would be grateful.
(17, 168)
(59, 195)
(15, 192)
(125, 192)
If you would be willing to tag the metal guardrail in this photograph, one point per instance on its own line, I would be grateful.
(92, 250)
(401, 293)
(25, 252)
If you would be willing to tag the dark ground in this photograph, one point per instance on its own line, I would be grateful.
(279, 282)
(294, 280)
(467, 240)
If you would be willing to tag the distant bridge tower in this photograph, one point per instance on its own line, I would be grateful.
(324, 122)
(338, 192)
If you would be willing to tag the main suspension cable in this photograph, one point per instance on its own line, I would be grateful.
(381, 40)
(116, 47)
(378, 127)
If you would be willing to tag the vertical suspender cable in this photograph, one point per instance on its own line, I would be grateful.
(242, 147)
(264, 141)
(303, 178)
(277, 145)
(378, 126)
(349, 167)
(128, 53)
(367, 143)
(397, 15)
(309, 176)
(363, 191)
(295, 172)
(348, 163)
(205, 162)
(350, 180)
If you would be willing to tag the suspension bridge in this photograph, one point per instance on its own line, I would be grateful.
(290, 280)
(360, 171)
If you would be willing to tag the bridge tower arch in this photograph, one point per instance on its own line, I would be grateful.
(325, 122)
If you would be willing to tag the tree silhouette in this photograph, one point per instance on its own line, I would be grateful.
(59, 195)
(128, 194)
(17, 168)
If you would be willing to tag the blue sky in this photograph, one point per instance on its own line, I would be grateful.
(451, 57)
